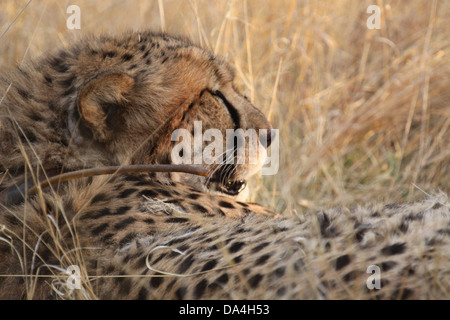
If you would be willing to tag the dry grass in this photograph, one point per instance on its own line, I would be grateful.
(364, 115)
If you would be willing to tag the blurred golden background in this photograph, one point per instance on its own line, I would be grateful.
(364, 115)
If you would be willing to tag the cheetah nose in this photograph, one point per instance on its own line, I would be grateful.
(266, 139)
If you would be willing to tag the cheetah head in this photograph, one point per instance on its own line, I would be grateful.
(140, 98)
(182, 108)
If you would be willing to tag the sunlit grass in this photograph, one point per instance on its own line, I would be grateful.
(363, 114)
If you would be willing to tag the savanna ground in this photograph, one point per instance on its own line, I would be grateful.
(364, 115)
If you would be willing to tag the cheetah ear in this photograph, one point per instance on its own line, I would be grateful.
(100, 102)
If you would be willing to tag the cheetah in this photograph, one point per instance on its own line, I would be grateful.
(115, 101)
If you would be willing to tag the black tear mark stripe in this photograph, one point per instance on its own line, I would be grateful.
(231, 109)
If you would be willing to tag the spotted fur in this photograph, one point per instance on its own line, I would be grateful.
(116, 100)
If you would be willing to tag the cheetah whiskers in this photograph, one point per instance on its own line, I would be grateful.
(219, 164)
